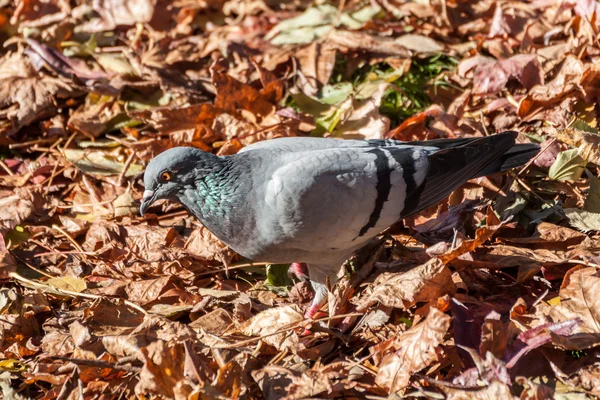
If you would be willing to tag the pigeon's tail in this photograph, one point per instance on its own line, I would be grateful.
(459, 160)
(517, 156)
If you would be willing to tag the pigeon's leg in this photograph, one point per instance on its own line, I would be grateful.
(298, 270)
(319, 299)
(320, 277)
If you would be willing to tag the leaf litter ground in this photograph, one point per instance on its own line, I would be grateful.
(491, 294)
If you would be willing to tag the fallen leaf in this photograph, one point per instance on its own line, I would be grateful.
(495, 390)
(492, 77)
(416, 350)
(415, 284)
(114, 12)
(69, 283)
(315, 22)
(583, 220)
(162, 371)
(272, 320)
(18, 208)
(569, 166)
(100, 162)
(35, 94)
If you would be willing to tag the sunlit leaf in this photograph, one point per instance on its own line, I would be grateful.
(569, 166)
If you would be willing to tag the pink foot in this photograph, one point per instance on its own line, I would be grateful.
(313, 312)
(299, 270)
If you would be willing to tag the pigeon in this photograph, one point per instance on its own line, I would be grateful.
(318, 200)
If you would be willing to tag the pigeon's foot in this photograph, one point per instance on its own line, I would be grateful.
(298, 270)
(319, 300)
(314, 311)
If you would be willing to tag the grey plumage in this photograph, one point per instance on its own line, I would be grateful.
(317, 200)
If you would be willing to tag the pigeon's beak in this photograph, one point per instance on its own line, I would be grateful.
(147, 200)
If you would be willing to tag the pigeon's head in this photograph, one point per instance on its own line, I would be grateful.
(172, 171)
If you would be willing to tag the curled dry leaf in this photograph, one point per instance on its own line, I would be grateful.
(416, 349)
(114, 13)
(492, 77)
(567, 79)
(587, 143)
(495, 390)
(273, 320)
(233, 96)
(578, 302)
(34, 94)
(162, 371)
(18, 208)
(404, 289)
(202, 243)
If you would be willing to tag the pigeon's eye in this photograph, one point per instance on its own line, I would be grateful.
(165, 176)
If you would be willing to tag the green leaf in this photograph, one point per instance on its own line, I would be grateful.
(583, 220)
(584, 126)
(335, 94)
(569, 166)
(277, 275)
(316, 22)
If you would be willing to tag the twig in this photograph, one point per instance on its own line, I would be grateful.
(73, 241)
(238, 266)
(5, 167)
(39, 271)
(125, 168)
(512, 101)
(70, 293)
(97, 363)
(30, 143)
(536, 156)
(288, 328)
(51, 178)
(526, 187)
(87, 204)
(580, 262)
(65, 253)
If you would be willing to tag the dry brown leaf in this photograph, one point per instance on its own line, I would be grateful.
(317, 61)
(587, 143)
(18, 208)
(565, 81)
(115, 12)
(202, 243)
(587, 378)
(416, 349)
(404, 289)
(34, 94)
(364, 41)
(482, 235)
(495, 390)
(233, 96)
(272, 320)
(215, 322)
(146, 291)
(492, 77)
(7, 262)
(163, 369)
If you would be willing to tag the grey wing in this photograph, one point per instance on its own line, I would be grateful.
(338, 198)
(298, 144)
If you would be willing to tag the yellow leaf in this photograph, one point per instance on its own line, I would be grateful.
(67, 283)
(12, 365)
(555, 301)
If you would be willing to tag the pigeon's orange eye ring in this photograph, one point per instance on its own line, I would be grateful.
(165, 176)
